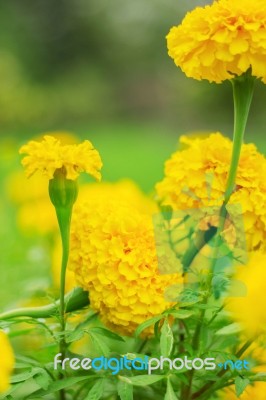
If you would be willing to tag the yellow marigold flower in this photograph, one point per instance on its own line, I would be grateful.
(7, 362)
(113, 256)
(221, 40)
(50, 155)
(249, 308)
(196, 177)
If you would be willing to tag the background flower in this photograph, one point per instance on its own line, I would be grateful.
(249, 308)
(219, 41)
(196, 175)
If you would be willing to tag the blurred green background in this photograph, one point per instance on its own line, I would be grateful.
(100, 69)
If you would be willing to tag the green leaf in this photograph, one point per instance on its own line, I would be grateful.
(181, 314)
(141, 380)
(43, 380)
(75, 335)
(24, 376)
(125, 390)
(146, 324)
(99, 344)
(96, 391)
(62, 384)
(231, 329)
(260, 377)
(107, 333)
(170, 394)
(12, 389)
(166, 339)
(240, 385)
(188, 300)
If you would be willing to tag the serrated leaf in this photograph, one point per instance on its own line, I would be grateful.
(62, 384)
(240, 385)
(141, 380)
(96, 391)
(99, 344)
(166, 339)
(231, 329)
(146, 324)
(170, 394)
(189, 297)
(125, 391)
(107, 333)
(75, 335)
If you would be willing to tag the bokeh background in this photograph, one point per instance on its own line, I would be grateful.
(100, 69)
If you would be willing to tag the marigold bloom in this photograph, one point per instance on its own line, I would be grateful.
(221, 40)
(7, 362)
(196, 176)
(113, 256)
(50, 155)
(249, 309)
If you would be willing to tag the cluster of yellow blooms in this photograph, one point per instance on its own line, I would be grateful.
(7, 362)
(113, 255)
(196, 176)
(219, 41)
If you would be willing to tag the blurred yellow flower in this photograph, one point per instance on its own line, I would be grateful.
(195, 177)
(221, 40)
(7, 362)
(50, 155)
(255, 391)
(248, 306)
(113, 256)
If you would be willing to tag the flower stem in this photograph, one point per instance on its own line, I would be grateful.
(243, 87)
(64, 220)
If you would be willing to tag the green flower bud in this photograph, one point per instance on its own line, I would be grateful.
(63, 192)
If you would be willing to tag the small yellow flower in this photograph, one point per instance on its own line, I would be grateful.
(50, 155)
(219, 41)
(114, 257)
(196, 176)
(7, 362)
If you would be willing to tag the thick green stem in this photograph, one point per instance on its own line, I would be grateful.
(243, 88)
